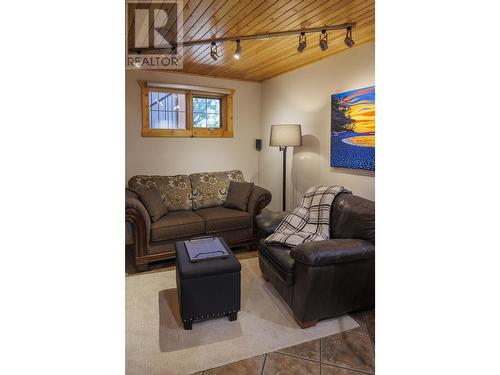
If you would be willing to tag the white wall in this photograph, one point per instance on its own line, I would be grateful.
(168, 156)
(302, 97)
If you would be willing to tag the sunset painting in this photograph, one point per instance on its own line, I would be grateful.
(352, 134)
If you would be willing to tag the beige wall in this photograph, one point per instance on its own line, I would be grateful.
(303, 96)
(168, 156)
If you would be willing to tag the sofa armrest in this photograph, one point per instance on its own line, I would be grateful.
(328, 252)
(259, 198)
(138, 216)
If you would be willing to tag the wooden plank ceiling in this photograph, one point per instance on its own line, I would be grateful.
(263, 59)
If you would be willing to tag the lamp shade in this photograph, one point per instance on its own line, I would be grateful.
(285, 136)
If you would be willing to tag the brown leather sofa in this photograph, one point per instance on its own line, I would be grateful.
(188, 217)
(328, 278)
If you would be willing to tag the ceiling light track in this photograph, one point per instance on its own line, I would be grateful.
(237, 53)
(302, 42)
(323, 40)
(213, 52)
(349, 42)
(324, 29)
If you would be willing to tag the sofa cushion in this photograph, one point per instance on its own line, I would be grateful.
(238, 194)
(174, 190)
(219, 219)
(176, 225)
(279, 257)
(153, 202)
(210, 189)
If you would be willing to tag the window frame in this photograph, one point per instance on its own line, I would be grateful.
(226, 114)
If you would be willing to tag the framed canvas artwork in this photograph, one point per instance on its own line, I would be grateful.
(352, 135)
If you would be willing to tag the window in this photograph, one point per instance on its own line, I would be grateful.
(206, 112)
(186, 112)
(167, 110)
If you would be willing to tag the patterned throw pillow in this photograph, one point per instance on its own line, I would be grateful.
(210, 189)
(174, 190)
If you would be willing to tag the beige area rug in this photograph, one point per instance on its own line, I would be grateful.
(156, 342)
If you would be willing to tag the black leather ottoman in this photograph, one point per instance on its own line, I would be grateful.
(207, 289)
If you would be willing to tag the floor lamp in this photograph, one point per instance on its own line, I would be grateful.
(284, 136)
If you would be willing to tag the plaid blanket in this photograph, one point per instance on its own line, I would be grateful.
(310, 221)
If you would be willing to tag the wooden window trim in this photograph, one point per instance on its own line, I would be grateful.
(225, 131)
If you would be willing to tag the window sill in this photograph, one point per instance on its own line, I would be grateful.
(212, 133)
(196, 133)
(166, 133)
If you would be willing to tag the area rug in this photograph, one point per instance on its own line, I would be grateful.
(156, 342)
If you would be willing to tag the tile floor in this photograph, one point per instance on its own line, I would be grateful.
(346, 353)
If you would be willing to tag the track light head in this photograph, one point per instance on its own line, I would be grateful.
(348, 38)
(237, 53)
(323, 40)
(213, 52)
(302, 42)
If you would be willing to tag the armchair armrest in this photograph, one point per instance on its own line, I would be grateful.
(328, 252)
(259, 198)
(268, 221)
(138, 216)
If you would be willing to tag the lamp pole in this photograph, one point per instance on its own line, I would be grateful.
(284, 176)
(284, 136)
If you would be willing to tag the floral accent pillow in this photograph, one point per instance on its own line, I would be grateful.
(210, 188)
(175, 191)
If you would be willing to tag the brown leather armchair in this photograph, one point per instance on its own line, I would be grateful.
(328, 278)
